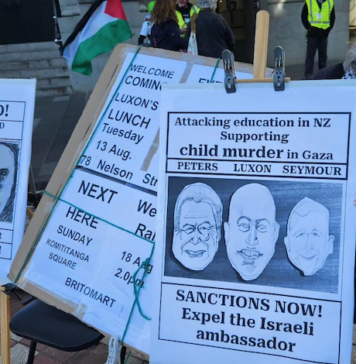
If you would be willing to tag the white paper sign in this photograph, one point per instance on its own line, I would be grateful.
(17, 100)
(103, 227)
(256, 243)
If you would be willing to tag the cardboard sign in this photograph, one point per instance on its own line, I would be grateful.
(95, 227)
(255, 252)
(17, 100)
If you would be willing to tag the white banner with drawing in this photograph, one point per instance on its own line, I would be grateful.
(256, 241)
(17, 103)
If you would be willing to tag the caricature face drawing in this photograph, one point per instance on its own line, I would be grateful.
(7, 174)
(308, 242)
(197, 226)
(252, 231)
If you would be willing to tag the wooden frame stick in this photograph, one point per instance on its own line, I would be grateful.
(5, 326)
(29, 213)
(261, 50)
(263, 80)
(261, 45)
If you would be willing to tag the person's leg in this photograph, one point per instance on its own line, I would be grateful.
(323, 52)
(309, 59)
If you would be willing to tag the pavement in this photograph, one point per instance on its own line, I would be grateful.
(54, 122)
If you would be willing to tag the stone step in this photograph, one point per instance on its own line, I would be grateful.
(37, 60)
(31, 65)
(28, 47)
(30, 56)
(37, 73)
(53, 82)
(54, 91)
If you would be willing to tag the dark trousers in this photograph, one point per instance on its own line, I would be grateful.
(314, 44)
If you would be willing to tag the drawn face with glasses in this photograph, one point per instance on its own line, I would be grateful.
(197, 226)
(252, 232)
(7, 174)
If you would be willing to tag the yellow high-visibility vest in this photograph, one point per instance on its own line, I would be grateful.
(319, 18)
(181, 22)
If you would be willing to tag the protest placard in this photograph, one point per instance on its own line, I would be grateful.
(17, 102)
(255, 251)
(95, 225)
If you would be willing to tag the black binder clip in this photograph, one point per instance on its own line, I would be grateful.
(229, 68)
(279, 74)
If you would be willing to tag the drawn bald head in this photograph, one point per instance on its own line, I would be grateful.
(251, 231)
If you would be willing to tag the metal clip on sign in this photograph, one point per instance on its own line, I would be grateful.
(229, 69)
(279, 79)
(279, 74)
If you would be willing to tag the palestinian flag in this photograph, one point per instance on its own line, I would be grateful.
(102, 27)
